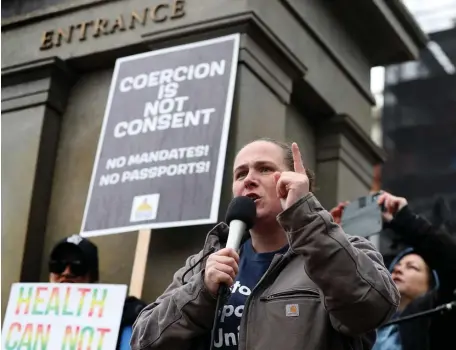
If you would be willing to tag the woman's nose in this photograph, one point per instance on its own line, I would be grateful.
(250, 180)
(67, 270)
(397, 269)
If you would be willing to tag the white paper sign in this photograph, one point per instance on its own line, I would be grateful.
(63, 316)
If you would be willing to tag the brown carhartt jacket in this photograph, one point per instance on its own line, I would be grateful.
(337, 287)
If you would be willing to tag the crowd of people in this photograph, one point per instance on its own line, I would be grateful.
(298, 281)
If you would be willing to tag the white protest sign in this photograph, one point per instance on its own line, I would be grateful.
(162, 147)
(49, 316)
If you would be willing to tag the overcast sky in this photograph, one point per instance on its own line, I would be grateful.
(432, 16)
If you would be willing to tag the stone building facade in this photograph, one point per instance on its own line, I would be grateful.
(303, 75)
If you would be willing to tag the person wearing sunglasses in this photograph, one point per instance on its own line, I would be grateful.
(75, 260)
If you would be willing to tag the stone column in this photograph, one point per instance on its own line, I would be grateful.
(33, 102)
(346, 156)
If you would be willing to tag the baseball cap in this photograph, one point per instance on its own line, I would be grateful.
(88, 250)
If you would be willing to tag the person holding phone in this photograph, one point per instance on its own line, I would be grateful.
(425, 275)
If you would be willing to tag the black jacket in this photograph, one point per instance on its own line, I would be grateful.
(131, 310)
(438, 249)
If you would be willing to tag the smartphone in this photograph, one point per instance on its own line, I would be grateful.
(363, 216)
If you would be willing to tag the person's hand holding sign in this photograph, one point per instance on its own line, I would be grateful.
(292, 185)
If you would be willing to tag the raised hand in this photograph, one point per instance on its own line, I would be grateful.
(392, 205)
(292, 185)
(338, 211)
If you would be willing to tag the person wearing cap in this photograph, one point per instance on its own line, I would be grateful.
(74, 259)
(425, 275)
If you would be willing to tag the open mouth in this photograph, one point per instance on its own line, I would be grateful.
(253, 196)
(397, 279)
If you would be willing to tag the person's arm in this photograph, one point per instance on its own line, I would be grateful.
(181, 313)
(436, 247)
(357, 289)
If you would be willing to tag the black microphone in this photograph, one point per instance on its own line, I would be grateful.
(240, 216)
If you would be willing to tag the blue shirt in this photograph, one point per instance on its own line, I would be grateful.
(252, 267)
(388, 338)
(125, 336)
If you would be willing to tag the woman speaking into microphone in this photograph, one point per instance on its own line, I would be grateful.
(297, 281)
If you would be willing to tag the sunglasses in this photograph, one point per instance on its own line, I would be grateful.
(77, 268)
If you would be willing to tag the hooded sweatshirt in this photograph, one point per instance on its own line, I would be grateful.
(438, 249)
(388, 338)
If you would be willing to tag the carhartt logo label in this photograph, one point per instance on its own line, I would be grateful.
(292, 310)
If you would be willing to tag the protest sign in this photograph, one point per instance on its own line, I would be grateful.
(163, 142)
(69, 316)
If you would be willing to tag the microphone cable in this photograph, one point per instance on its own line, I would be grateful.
(196, 264)
(222, 295)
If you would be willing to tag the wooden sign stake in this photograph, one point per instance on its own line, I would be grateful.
(140, 262)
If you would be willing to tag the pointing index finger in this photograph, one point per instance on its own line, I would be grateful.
(297, 159)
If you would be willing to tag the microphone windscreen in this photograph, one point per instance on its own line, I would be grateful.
(242, 208)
